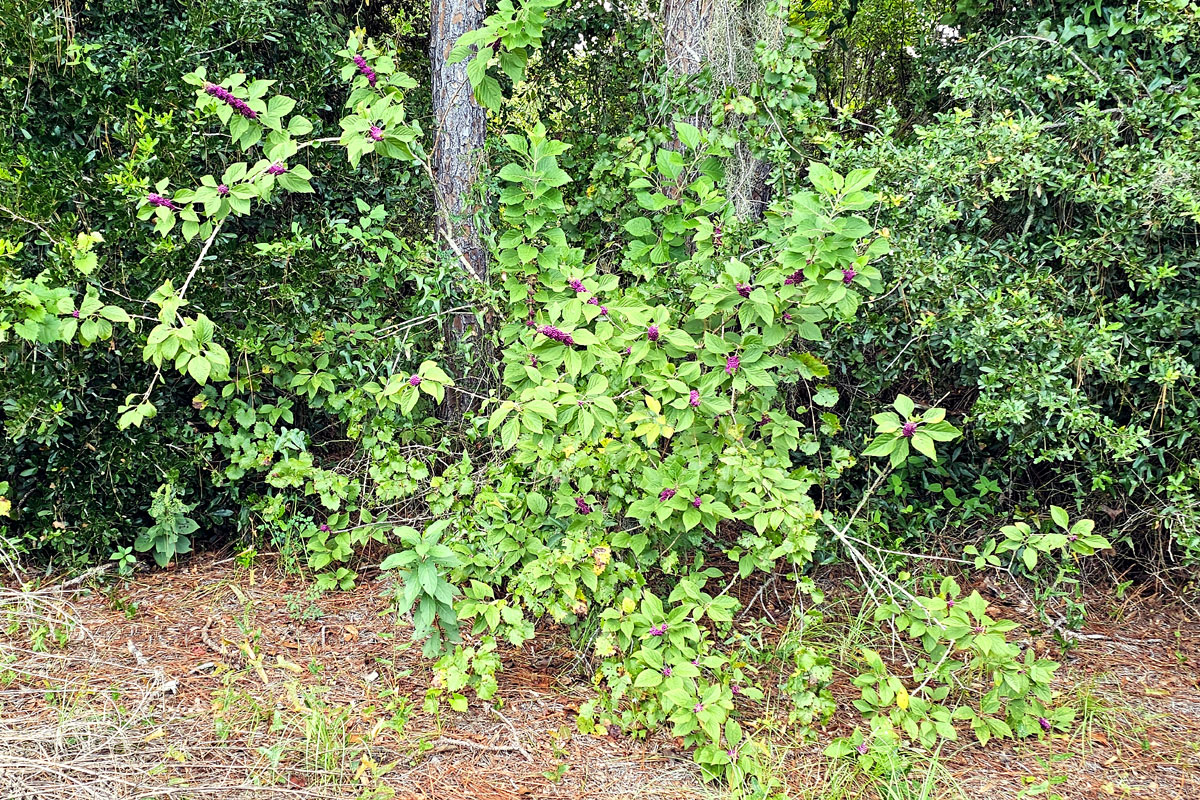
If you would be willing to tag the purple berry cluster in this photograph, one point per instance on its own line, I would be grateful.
(577, 285)
(365, 69)
(731, 364)
(161, 202)
(226, 97)
(659, 630)
(848, 276)
(223, 190)
(582, 506)
(694, 399)
(414, 381)
(795, 279)
(551, 332)
(276, 169)
(375, 133)
(666, 494)
(908, 430)
(652, 333)
(696, 502)
(744, 289)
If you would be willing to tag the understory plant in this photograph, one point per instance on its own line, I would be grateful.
(666, 422)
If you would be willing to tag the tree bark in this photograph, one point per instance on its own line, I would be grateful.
(461, 128)
(458, 151)
(685, 33)
(685, 29)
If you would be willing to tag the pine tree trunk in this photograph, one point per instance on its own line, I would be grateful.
(461, 128)
(686, 26)
(685, 30)
(685, 34)
(458, 148)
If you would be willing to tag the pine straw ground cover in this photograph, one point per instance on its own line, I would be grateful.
(218, 681)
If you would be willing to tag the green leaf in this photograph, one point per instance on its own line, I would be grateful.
(199, 368)
(905, 406)
(689, 135)
(1060, 517)
(639, 227)
(924, 445)
(882, 445)
(115, 314)
(826, 396)
(536, 503)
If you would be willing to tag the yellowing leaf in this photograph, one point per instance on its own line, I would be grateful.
(653, 404)
(902, 699)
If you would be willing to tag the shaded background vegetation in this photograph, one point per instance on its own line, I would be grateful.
(1040, 161)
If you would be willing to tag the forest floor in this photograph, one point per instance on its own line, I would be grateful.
(219, 681)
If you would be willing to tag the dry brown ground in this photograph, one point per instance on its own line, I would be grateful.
(202, 682)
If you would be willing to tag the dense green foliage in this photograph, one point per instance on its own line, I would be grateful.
(223, 317)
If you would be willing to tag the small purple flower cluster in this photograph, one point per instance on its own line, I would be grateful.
(908, 430)
(236, 103)
(551, 332)
(665, 495)
(735, 689)
(848, 276)
(696, 709)
(324, 528)
(276, 169)
(744, 289)
(863, 749)
(75, 313)
(375, 133)
(795, 279)
(577, 285)
(731, 364)
(666, 671)
(787, 318)
(365, 69)
(160, 201)
(414, 381)
(949, 604)
(658, 630)
(652, 333)
(582, 506)
(694, 399)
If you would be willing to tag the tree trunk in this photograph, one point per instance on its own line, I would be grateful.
(686, 25)
(458, 149)
(685, 34)
(685, 30)
(461, 127)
